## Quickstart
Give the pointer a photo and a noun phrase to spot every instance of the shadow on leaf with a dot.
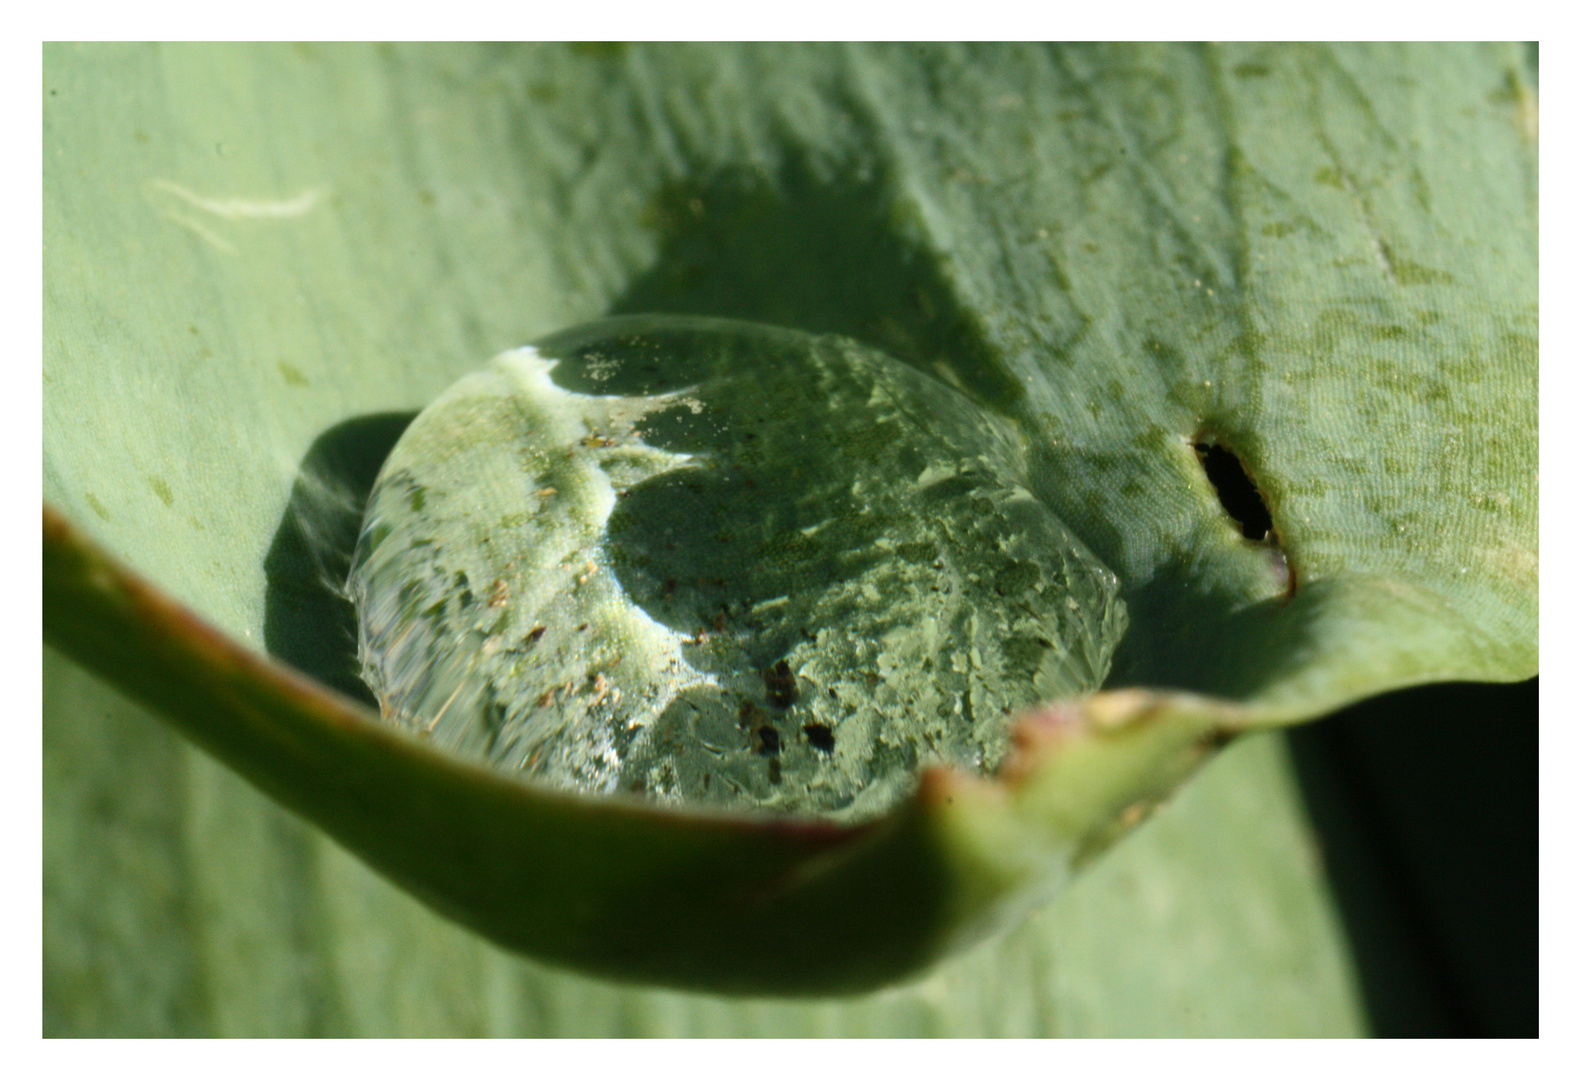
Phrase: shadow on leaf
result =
(825, 254)
(308, 621)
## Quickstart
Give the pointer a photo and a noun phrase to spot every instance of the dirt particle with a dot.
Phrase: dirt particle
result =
(780, 684)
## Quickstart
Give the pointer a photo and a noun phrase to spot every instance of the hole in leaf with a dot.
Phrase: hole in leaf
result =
(1237, 493)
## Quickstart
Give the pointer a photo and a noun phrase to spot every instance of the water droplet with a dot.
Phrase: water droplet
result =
(651, 552)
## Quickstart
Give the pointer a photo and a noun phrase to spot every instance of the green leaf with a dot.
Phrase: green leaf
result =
(1323, 259)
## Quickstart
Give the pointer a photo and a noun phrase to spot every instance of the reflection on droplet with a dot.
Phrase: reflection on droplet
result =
(719, 564)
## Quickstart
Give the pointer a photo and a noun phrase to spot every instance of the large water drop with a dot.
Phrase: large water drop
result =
(720, 564)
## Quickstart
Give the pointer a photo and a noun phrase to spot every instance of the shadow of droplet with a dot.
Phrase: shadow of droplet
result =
(822, 251)
(1425, 803)
(308, 622)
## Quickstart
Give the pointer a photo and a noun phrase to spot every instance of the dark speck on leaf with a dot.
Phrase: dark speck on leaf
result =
(780, 683)
(533, 635)
(768, 741)
(774, 771)
(820, 737)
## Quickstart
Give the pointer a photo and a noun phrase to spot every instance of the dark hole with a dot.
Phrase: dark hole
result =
(768, 741)
(774, 772)
(1237, 493)
(820, 737)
